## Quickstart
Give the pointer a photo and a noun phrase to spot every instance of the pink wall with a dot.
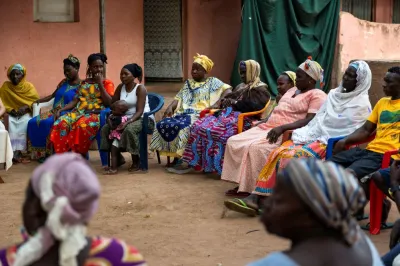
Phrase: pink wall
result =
(213, 28)
(42, 46)
(360, 39)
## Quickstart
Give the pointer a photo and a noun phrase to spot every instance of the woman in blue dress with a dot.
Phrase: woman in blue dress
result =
(39, 127)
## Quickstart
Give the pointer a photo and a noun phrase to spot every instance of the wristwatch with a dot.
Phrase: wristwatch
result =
(393, 189)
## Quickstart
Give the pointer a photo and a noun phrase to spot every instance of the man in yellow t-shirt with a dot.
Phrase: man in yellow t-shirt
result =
(385, 120)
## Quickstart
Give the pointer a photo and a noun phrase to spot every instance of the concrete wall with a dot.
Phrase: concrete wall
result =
(376, 43)
(42, 46)
(213, 28)
(360, 39)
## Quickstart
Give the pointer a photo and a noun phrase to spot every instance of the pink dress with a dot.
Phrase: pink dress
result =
(246, 153)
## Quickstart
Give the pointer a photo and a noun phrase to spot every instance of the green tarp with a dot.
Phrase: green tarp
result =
(281, 34)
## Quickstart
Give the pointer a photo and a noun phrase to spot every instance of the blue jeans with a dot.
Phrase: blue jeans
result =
(388, 258)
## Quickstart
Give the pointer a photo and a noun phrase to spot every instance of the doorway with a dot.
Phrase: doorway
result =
(163, 40)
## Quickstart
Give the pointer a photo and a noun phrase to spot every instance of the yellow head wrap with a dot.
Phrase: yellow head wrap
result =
(204, 61)
(16, 96)
(292, 76)
(253, 71)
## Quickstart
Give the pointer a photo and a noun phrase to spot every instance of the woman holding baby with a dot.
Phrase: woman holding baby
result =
(121, 133)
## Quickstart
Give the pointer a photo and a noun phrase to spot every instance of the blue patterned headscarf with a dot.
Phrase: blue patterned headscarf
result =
(331, 192)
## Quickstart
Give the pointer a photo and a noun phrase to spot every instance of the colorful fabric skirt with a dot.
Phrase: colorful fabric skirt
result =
(207, 141)
(74, 132)
(280, 157)
(172, 135)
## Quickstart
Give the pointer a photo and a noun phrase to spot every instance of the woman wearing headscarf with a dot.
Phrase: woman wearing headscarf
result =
(208, 136)
(135, 96)
(313, 206)
(246, 153)
(61, 198)
(197, 94)
(18, 95)
(76, 130)
(345, 110)
(39, 127)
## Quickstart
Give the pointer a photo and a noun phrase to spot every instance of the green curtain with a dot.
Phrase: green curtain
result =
(280, 35)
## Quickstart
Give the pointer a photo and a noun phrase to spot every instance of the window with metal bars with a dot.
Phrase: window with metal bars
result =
(396, 11)
(361, 9)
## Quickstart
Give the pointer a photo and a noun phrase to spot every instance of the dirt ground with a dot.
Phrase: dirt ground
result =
(171, 219)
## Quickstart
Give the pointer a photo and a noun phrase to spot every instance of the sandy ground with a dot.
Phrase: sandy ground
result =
(171, 219)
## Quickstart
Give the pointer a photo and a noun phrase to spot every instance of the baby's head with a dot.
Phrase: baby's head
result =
(119, 107)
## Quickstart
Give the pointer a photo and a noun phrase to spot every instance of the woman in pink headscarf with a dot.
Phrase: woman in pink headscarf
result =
(61, 198)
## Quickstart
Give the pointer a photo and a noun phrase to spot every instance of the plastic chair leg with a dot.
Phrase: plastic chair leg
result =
(144, 164)
(375, 209)
(158, 157)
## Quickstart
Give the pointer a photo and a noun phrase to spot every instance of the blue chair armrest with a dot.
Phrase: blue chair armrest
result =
(103, 116)
(331, 145)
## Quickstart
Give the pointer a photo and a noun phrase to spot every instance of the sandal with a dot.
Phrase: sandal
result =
(362, 217)
(384, 226)
(134, 167)
(234, 193)
(240, 206)
(111, 172)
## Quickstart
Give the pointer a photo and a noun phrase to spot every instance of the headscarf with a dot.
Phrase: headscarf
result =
(314, 70)
(253, 71)
(72, 61)
(342, 113)
(69, 192)
(331, 192)
(16, 96)
(204, 61)
(292, 76)
(135, 70)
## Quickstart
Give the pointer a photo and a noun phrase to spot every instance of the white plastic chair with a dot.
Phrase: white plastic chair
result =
(38, 106)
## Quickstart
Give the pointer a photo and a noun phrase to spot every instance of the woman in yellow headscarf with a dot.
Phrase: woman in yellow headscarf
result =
(18, 95)
(197, 94)
(208, 136)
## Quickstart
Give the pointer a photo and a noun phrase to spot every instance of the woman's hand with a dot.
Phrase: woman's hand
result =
(57, 115)
(227, 102)
(339, 146)
(98, 78)
(14, 113)
(169, 112)
(23, 110)
(274, 134)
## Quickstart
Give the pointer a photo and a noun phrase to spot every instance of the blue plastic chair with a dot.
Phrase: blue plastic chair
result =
(156, 102)
(103, 154)
(331, 145)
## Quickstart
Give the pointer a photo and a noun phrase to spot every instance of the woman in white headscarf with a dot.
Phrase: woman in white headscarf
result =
(345, 110)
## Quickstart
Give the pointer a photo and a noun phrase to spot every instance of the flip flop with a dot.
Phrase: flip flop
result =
(111, 172)
(240, 206)
(363, 217)
(384, 226)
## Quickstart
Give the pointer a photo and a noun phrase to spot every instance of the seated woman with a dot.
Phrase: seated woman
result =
(76, 130)
(346, 110)
(39, 127)
(246, 153)
(134, 95)
(6, 152)
(18, 95)
(312, 206)
(208, 136)
(61, 198)
(197, 94)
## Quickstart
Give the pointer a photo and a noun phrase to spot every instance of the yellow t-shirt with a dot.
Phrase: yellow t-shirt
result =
(386, 116)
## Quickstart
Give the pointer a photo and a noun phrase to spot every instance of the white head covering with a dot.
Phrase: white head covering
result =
(342, 113)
